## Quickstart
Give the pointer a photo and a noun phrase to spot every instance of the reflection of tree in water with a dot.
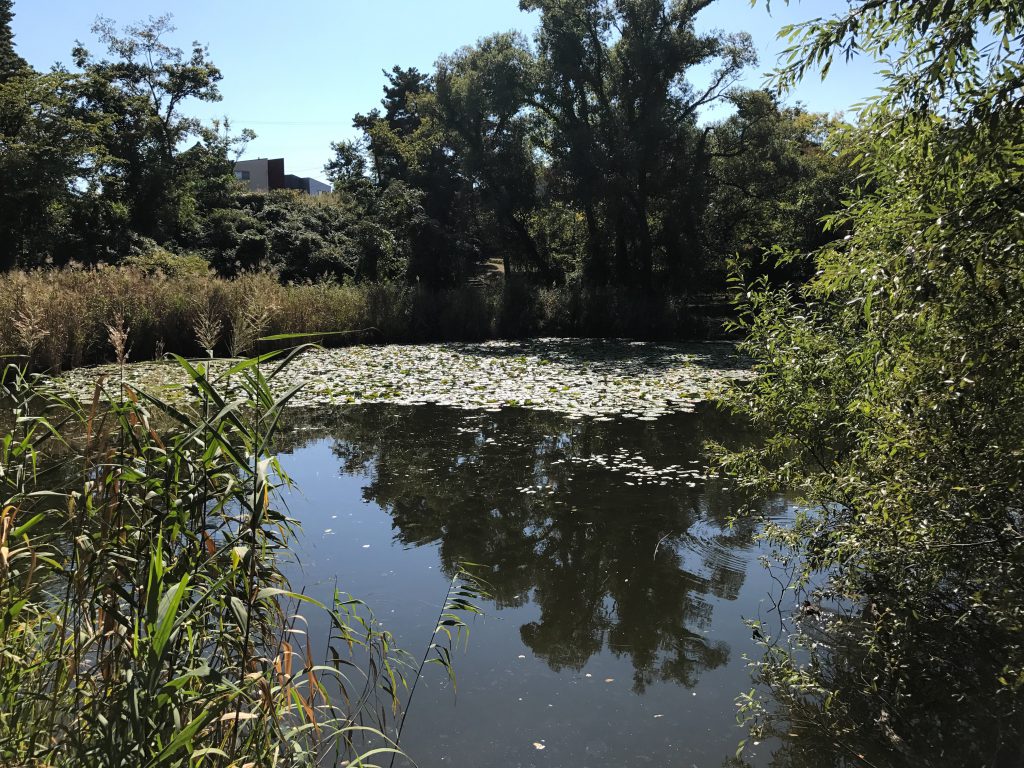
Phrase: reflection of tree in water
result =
(855, 688)
(610, 564)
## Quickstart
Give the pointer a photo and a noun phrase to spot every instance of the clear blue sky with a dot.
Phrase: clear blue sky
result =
(296, 72)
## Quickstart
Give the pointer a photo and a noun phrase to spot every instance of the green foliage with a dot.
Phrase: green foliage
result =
(93, 160)
(483, 95)
(135, 99)
(40, 202)
(579, 156)
(299, 235)
(778, 172)
(583, 155)
(10, 62)
(416, 173)
(144, 616)
(153, 260)
(891, 396)
(624, 144)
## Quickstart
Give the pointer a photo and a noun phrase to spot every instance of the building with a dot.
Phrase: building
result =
(263, 175)
(306, 184)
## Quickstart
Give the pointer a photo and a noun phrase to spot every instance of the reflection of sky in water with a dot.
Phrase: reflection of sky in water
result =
(615, 632)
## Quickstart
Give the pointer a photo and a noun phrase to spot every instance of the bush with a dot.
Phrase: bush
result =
(152, 259)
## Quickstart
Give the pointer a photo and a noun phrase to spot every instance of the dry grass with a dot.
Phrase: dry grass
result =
(60, 319)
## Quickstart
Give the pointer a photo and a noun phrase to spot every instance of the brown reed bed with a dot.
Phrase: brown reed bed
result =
(59, 318)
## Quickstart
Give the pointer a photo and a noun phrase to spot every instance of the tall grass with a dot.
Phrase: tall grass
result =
(144, 619)
(58, 319)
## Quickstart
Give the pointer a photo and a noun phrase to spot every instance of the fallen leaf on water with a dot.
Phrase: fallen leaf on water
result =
(538, 745)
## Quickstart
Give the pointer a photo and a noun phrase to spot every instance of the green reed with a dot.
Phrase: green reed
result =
(144, 617)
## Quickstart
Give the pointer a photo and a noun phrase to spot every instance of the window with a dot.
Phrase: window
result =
(242, 175)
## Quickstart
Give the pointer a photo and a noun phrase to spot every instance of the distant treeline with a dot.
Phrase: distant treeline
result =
(581, 156)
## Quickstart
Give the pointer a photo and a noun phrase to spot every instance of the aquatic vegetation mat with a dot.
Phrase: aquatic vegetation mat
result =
(600, 379)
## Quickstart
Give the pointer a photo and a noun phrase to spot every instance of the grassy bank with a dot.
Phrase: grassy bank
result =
(61, 318)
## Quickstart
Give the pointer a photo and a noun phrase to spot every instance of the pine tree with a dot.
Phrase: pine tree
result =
(10, 62)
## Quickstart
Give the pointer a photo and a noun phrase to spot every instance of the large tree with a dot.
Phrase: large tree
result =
(774, 177)
(624, 144)
(136, 97)
(485, 95)
(45, 171)
(585, 151)
(409, 146)
(96, 159)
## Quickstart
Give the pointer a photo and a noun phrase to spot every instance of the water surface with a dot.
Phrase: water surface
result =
(615, 630)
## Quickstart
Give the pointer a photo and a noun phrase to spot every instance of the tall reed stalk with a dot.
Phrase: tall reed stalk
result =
(59, 318)
(144, 619)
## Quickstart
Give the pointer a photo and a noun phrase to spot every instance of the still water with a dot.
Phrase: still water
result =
(614, 634)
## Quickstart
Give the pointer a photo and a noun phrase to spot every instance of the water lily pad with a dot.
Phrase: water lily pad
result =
(581, 378)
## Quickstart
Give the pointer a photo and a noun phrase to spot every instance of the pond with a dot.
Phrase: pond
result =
(574, 473)
(614, 632)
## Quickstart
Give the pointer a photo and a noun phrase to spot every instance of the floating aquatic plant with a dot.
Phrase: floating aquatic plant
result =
(580, 378)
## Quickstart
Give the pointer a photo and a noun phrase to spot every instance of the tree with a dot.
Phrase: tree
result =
(409, 144)
(624, 143)
(485, 95)
(136, 99)
(773, 181)
(45, 140)
(10, 62)
(99, 161)
(891, 391)
(585, 154)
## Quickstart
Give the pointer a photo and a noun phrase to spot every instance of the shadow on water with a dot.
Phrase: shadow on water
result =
(610, 559)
